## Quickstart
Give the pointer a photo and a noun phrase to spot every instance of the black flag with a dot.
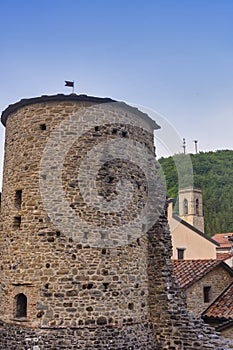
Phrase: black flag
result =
(69, 83)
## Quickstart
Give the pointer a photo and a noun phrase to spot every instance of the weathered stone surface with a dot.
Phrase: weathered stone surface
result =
(78, 296)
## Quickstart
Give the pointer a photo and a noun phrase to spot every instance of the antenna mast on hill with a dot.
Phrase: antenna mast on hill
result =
(195, 143)
(184, 145)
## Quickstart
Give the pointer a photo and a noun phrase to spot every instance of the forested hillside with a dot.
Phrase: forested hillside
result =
(213, 173)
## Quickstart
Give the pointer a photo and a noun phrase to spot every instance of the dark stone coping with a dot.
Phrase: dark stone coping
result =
(72, 97)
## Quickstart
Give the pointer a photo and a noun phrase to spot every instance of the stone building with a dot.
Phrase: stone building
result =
(81, 269)
(202, 281)
(220, 313)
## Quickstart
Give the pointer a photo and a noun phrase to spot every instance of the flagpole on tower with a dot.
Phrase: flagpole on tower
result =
(70, 84)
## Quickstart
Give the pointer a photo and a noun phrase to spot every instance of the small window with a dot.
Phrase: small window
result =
(17, 222)
(206, 294)
(197, 206)
(180, 253)
(20, 305)
(18, 199)
(42, 126)
(185, 206)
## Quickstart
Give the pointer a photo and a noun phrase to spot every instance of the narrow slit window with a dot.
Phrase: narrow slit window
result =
(20, 305)
(197, 206)
(17, 222)
(185, 207)
(18, 199)
(206, 294)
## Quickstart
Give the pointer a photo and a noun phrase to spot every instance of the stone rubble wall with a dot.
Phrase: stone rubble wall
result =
(130, 337)
(18, 338)
(174, 328)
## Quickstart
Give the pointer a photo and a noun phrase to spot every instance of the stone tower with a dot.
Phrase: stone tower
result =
(85, 249)
(53, 277)
(190, 207)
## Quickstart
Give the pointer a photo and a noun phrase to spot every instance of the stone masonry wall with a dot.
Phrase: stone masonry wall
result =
(228, 333)
(128, 337)
(218, 279)
(68, 282)
(170, 327)
(81, 296)
(174, 328)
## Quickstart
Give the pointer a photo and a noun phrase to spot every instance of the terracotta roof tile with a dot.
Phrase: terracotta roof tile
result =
(222, 307)
(223, 256)
(223, 239)
(187, 272)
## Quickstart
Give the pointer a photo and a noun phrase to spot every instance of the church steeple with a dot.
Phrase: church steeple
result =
(190, 207)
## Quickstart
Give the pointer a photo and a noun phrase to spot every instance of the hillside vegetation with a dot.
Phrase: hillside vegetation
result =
(213, 173)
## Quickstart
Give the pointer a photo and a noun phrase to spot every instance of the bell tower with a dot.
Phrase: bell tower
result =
(190, 207)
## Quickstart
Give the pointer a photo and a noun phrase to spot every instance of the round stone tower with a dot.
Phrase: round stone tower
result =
(84, 243)
(71, 258)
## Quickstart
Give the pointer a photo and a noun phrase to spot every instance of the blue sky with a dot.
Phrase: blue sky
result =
(173, 56)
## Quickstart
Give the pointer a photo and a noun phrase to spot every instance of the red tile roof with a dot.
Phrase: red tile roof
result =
(187, 272)
(223, 239)
(222, 307)
(223, 256)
